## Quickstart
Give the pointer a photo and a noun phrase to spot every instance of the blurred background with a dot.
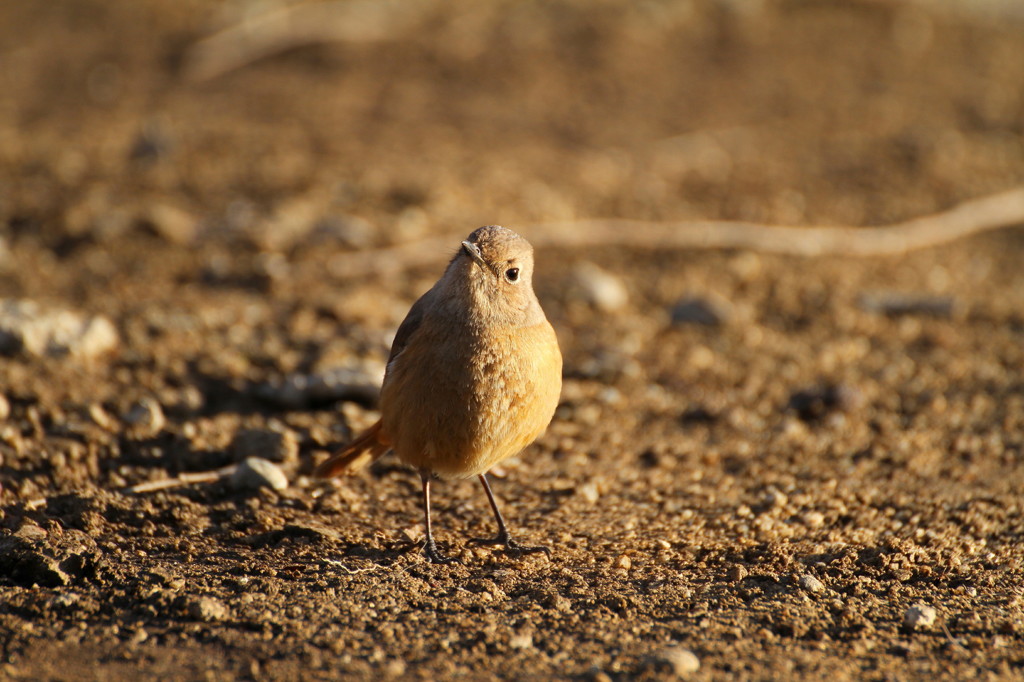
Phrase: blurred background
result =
(186, 177)
(184, 183)
(365, 123)
(197, 199)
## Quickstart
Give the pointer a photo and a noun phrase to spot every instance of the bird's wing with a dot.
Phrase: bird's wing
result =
(410, 324)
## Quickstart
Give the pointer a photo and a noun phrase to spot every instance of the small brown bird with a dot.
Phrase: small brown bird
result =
(473, 377)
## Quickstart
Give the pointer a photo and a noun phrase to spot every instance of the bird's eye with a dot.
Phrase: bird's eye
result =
(512, 274)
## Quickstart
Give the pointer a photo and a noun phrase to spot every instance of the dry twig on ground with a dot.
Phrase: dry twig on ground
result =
(279, 30)
(1000, 210)
(180, 480)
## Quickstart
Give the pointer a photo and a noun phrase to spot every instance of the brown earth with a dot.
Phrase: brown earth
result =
(772, 493)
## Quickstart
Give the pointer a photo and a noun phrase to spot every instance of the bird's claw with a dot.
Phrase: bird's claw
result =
(434, 555)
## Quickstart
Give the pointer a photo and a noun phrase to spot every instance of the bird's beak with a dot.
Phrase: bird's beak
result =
(474, 252)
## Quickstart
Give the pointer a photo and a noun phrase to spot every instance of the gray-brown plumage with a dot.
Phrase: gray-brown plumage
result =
(473, 377)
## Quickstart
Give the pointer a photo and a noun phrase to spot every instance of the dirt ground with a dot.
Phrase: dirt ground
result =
(768, 463)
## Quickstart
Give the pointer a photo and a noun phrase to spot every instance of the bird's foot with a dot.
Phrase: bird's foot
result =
(511, 546)
(434, 555)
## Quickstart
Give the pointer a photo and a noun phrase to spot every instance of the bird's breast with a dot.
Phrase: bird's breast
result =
(457, 403)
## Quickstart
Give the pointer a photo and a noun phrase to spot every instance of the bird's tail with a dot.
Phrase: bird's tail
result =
(367, 447)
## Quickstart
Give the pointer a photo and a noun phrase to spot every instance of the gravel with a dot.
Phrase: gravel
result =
(919, 617)
(811, 584)
(706, 311)
(675, 661)
(598, 288)
(254, 473)
(145, 419)
(812, 114)
(208, 609)
(359, 381)
(27, 327)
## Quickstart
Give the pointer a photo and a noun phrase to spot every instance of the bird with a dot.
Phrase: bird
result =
(474, 376)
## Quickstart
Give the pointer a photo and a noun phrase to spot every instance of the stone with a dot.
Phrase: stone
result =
(145, 419)
(523, 640)
(677, 661)
(102, 418)
(811, 584)
(894, 304)
(814, 403)
(775, 498)
(704, 311)
(736, 573)
(395, 668)
(153, 143)
(919, 617)
(255, 473)
(30, 329)
(208, 609)
(560, 604)
(813, 519)
(601, 289)
(172, 223)
(589, 492)
(359, 381)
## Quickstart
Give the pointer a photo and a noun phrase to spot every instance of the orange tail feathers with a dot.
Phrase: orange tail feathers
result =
(367, 447)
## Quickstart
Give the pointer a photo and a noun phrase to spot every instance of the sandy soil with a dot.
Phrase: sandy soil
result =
(807, 481)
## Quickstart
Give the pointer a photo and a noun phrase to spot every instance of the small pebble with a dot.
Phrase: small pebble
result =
(173, 223)
(31, 532)
(600, 289)
(814, 519)
(145, 419)
(255, 473)
(896, 304)
(26, 327)
(5, 407)
(775, 498)
(624, 562)
(396, 667)
(703, 311)
(359, 381)
(561, 604)
(678, 661)
(102, 418)
(589, 492)
(138, 636)
(208, 609)
(412, 534)
(66, 600)
(736, 573)
(152, 143)
(811, 584)
(919, 616)
(523, 640)
(818, 402)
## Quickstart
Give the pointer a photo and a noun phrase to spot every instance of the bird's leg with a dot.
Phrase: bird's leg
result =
(429, 548)
(503, 537)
